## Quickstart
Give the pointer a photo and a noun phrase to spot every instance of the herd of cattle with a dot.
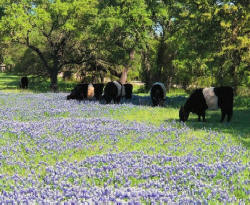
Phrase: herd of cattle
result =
(114, 91)
(198, 102)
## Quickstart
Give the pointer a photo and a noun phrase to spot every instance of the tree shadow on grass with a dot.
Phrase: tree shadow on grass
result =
(174, 102)
(9, 82)
(13, 83)
(9, 86)
(36, 84)
(239, 126)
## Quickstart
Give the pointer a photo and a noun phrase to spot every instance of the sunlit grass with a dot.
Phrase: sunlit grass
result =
(146, 131)
(11, 83)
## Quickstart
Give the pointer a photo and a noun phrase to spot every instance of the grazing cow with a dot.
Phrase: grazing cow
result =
(86, 91)
(128, 90)
(158, 94)
(79, 92)
(98, 90)
(24, 82)
(209, 98)
(113, 91)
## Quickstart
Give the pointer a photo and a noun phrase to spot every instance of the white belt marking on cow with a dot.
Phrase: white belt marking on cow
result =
(163, 88)
(211, 98)
(91, 91)
(119, 87)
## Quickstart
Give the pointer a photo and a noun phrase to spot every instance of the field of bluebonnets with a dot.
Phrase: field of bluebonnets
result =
(53, 150)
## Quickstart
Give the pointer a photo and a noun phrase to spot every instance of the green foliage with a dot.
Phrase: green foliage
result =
(56, 31)
(29, 64)
(123, 26)
(209, 38)
(197, 43)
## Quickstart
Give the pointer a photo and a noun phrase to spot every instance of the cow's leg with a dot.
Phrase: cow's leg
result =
(229, 114)
(154, 102)
(107, 99)
(162, 102)
(203, 116)
(223, 114)
(117, 100)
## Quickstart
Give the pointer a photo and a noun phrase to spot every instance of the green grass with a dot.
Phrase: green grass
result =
(238, 128)
(10, 83)
(235, 132)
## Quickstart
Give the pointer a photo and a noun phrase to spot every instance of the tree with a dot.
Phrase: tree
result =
(125, 24)
(1, 33)
(166, 44)
(215, 38)
(232, 57)
(57, 31)
(202, 40)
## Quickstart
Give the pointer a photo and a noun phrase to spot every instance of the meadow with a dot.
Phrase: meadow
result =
(53, 151)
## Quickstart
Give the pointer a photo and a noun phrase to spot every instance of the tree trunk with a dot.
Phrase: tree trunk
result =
(124, 75)
(102, 77)
(53, 80)
(236, 58)
(169, 83)
(146, 66)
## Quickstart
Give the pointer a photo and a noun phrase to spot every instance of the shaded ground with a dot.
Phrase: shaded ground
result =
(239, 125)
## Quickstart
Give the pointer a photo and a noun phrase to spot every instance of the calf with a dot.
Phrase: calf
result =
(209, 98)
(113, 91)
(158, 94)
(24, 82)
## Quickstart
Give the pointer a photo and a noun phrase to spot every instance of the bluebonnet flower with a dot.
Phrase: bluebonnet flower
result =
(59, 151)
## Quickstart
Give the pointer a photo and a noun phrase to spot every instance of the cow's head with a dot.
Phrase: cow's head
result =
(69, 97)
(183, 114)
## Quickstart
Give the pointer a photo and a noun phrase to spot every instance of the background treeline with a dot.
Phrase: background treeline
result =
(178, 42)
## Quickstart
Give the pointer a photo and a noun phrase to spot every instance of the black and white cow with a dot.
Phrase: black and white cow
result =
(24, 82)
(209, 98)
(128, 90)
(113, 91)
(98, 90)
(82, 91)
(158, 94)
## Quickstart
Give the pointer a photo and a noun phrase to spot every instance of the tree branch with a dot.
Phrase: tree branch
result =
(37, 50)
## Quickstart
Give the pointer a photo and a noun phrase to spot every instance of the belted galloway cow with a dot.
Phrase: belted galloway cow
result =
(208, 98)
(113, 91)
(158, 94)
(86, 91)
